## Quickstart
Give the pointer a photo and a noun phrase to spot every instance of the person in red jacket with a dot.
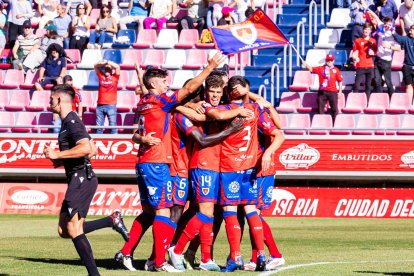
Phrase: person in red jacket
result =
(329, 77)
(363, 53)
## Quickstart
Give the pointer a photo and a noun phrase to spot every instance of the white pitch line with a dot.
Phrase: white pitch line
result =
(327, 263)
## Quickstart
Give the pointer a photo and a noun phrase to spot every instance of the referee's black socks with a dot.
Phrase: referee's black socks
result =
(84, 249)
(93, 225)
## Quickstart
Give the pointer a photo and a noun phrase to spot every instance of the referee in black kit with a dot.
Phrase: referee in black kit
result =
(76, 147)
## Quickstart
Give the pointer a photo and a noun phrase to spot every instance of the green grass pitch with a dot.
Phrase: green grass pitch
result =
(29, 245)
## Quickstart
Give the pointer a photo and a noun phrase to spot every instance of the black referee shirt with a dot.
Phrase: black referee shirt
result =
(72, 131)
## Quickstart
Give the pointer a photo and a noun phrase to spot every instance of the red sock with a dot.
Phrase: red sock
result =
(138, 229)
(206, 240)
(233, 233)
(270, 242)
(256, 228)
(254, 248)
(192, 229)
(163, 231)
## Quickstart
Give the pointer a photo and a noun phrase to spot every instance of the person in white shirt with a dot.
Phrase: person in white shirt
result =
(160, 13)
(406, 16)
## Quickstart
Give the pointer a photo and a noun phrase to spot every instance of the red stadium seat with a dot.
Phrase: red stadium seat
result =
(6, 119)
(19, 99)
(95, 13)
(302, 81)
(397, 60)
(23, 120)
(125, 101)
(366, 123)
(321, 123)
(89, 119)
(407, 126)
(188, 39)
(30, 80)
(167, 38)
(45, 118)
(389, 124)
(344, 124)
(196, 59)
(309, 103)
(378, 102)
(88, 101)
(74, 56)
(400, 103)
(133, 82)
(128, 121)
(4, 99)
(299, 123)
(7, 53)
(242, 58)
(39, 102)
(283, 120)
(131, 57)
(355, 103)
(154, 57)
(146, 39)
(13, 79)
(175, 59)
(289, 102)
(123, 80)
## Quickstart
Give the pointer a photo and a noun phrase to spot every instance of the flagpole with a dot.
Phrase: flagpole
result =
(297, 52)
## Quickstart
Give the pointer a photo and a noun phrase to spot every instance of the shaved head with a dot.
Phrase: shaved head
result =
(65, 92)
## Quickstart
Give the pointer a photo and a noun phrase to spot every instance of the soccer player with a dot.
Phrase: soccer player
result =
(76, 147)
(204, 178)
(238, 185)
(153, 174)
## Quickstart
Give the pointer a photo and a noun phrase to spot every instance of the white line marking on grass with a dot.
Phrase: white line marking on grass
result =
(326, 263)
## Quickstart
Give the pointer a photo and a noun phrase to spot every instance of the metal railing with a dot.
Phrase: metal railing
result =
(263, 90)
(300, 32)
(285, 54)
(313, 8)
(275, 69)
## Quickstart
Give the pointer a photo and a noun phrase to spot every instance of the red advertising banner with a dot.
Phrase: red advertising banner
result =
(287, 201)
(331, 156)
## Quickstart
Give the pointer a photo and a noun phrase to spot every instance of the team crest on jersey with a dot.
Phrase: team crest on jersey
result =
(152, 190)
(205, 191)
(181, 194)
(234, 187)
(269, 192)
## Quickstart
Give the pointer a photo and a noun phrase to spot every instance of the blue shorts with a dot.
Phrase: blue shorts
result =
(155, 185)
(180, 190)
(205, 185)
(238, 188)
(265, 184)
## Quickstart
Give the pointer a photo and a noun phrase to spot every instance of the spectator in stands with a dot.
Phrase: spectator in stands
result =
(227, 18)
(107, 93)
(240, 7)
(138, 11)
(25, 44)
(160, 13)
(385, 8)
(72, 6)
(20, 12)
(407, 42)
(343, 4)
(81, 24)
(3, 27)
(406, 16)
(255, 4)
(386, 47)
(329, 77)
(214, 12)
(36, 57)
(197, 12)
(105, 29)
(249, 12)
(358, 18)
(62, 23)
(53, 68)
(363, 53)
(47, 11)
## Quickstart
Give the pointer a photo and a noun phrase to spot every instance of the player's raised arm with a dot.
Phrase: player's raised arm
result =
(196, 82)
(191, 114)
(228, 114)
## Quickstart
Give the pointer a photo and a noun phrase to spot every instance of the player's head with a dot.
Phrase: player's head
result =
(222, 74)
(61, 98)
(155, 80)
(238, 88)
(214, 89)
(68, 80)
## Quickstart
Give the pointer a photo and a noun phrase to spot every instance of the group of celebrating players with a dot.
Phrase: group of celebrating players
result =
(216, 153)
(224, 143)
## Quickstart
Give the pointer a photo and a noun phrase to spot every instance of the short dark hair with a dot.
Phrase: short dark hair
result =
(249, 12)
(235, 80)
(219, 73)
(67, 78)
(153, 73)
(387, 19)
(65, 89)
(367, 25)
(214, 81)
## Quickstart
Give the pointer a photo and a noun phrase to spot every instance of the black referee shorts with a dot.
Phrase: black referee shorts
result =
(79, 194)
